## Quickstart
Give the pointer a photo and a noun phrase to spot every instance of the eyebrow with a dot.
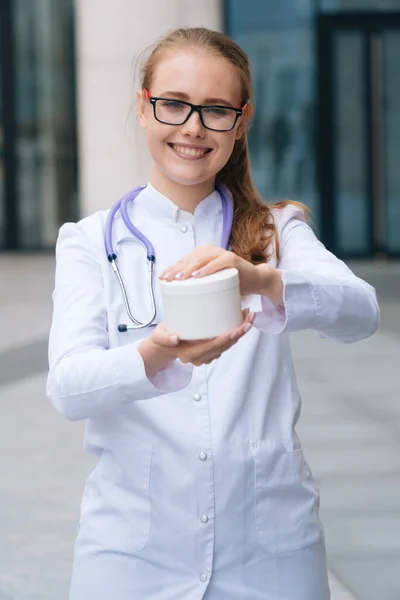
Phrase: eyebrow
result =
(185, 97)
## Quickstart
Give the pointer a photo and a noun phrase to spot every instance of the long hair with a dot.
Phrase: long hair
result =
(254, 233)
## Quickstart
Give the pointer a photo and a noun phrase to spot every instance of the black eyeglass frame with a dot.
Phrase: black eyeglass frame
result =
(194, 108)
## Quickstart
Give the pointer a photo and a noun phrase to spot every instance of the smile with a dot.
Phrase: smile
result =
(189, 152)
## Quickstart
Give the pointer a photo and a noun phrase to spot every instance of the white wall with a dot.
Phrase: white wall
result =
(110, 36)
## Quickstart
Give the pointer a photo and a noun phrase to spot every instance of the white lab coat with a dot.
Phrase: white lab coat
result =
(201, 489)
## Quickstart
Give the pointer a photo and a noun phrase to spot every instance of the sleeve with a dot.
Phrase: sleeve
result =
(320, 292)
(86, 378)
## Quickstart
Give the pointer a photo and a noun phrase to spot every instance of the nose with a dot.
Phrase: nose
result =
(193, 126)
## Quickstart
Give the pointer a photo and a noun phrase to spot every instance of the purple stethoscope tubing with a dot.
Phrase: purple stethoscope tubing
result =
(122, 206)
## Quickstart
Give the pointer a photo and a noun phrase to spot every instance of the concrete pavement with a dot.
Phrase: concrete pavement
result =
(350, 429)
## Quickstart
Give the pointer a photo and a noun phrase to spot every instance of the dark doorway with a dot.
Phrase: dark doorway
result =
(359, 133)
(8, 210)
(38, 158)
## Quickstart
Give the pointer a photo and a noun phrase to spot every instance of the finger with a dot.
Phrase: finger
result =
(196, 351)
(185, 271)
(220, 343)
(211, 360)
(245, 313)
(193, 262)
(203, 361)
(244, 328)
(210, 352)
(224, 261)
(215, 352)
(206, 359)
(198, 252)
(212, 349)
(163, 337)
(172, 271)
(181, 264)
(197, 267)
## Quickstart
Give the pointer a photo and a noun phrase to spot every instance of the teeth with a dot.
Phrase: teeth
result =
(189, 151)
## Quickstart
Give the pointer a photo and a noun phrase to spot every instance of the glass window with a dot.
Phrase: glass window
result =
(278, 38)
(45, 119)
(351, 139)
(362, 5)
(391, 57)
(2, 196)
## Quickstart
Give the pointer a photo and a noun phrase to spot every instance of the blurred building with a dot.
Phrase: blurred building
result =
(327, 95)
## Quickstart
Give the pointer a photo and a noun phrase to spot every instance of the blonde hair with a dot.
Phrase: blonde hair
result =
(254, 233)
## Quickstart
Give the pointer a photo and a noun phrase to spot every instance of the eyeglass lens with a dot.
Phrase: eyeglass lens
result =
(174, 112)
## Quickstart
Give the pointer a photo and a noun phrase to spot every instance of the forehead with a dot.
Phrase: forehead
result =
(198, 74)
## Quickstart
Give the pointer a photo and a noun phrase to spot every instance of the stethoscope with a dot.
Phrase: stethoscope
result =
(122, 206)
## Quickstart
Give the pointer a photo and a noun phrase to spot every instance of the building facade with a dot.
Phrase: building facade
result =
(326, 129)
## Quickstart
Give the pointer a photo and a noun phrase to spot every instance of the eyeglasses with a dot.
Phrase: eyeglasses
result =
(177, 112)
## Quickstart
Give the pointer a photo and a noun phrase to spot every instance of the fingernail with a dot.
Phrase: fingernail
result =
(179, 275)
(195, 273)
(248, 327)
(174, 340)
(234, 335)
(167, 276)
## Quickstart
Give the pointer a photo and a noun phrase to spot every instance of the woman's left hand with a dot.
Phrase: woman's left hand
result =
(208, 259)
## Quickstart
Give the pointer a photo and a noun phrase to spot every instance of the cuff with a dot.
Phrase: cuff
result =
(132, 380)
(176, 376)
(299, 310)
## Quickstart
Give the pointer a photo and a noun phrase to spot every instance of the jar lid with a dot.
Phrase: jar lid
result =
(222, 280)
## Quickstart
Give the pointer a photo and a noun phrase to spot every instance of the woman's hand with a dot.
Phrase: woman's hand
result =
(164, 346)
(205, 260)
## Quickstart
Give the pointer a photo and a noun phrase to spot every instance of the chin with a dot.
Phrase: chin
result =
(187, 178)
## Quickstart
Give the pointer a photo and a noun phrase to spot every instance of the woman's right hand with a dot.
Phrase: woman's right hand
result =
(201, 352)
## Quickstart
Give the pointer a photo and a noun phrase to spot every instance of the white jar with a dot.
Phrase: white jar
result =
(204, 307)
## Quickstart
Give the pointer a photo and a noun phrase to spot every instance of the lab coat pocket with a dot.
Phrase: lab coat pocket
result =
(116, 507)
(286, 499)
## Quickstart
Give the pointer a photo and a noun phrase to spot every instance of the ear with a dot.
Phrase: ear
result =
(243, 121)
(141, 106)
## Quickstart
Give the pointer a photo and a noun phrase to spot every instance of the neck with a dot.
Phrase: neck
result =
(187, 197)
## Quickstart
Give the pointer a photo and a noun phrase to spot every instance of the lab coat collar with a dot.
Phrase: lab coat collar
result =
(161, 208)
(153, 202)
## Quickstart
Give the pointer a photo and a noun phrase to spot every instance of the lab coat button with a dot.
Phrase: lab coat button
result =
(197, 397)
(203, 577)
(184, 229)
(203, 456)
(204, 519)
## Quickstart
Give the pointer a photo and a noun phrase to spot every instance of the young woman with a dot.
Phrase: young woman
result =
(201, 488)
